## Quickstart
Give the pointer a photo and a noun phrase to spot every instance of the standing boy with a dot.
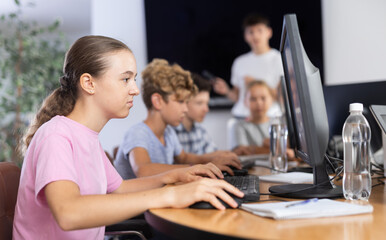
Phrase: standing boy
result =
(152, 146)
(262, 62)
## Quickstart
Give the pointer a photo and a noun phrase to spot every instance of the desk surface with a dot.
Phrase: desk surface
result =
(236, 223)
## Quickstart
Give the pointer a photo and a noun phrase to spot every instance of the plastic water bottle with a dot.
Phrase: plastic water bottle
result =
(278, 144)
(356, 153)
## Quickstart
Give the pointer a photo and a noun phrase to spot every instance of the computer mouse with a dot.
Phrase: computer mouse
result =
(207, 205)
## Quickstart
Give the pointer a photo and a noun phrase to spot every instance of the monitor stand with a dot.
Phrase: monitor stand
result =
(306, 191)
(321, 188)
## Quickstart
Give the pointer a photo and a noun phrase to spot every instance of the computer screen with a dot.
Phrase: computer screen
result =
(284, 108)
(308, 115)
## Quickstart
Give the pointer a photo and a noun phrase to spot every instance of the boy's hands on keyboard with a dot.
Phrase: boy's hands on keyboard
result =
(236, 172)
(243, 150)
(225, 160)
(193, 173)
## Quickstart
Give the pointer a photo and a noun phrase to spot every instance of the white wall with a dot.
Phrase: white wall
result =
(354, 41)
(123, 20)
(216, 124)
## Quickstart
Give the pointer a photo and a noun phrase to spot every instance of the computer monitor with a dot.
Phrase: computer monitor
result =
(308, 115)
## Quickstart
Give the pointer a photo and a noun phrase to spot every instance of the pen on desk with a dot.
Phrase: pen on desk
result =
(302, 202)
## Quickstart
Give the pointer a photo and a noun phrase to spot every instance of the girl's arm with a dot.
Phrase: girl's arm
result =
(72, 210)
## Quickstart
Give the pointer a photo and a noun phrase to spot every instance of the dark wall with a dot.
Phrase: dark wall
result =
(204, 34)
(338, 99)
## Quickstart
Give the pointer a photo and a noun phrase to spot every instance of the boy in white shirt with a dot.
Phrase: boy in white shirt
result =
(262, 62)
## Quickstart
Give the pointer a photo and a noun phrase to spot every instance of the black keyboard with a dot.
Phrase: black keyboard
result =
(248, 184)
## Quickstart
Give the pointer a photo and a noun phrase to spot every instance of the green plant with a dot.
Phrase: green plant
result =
(31, 60)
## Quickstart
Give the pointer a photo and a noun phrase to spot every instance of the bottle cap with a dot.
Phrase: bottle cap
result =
(356, 107)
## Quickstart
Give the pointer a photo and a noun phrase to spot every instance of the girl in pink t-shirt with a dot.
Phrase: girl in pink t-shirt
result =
(68, 188)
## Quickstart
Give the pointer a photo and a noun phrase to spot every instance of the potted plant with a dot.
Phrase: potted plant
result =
(31, 59)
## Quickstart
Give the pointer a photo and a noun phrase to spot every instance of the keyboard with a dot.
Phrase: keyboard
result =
(248, 184)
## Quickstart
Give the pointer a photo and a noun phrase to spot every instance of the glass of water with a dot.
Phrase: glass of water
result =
(278, 134)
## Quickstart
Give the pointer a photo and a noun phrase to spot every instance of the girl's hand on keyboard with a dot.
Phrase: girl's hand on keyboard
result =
(205, 189)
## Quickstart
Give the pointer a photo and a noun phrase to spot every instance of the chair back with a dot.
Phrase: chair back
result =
(9, 185)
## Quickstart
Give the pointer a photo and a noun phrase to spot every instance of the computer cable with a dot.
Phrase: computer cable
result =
(380, 170)
(372, 171)
(333, 167)
(376, 172)
(334, 158)
(372, 165)
(380, 182)
(329, 162)
(338, 171)
(377, 166)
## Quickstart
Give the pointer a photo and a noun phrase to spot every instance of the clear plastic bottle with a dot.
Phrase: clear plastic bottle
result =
(356, 139)
(278, 144)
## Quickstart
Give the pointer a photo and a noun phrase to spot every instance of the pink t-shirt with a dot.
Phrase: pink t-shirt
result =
(61, 149)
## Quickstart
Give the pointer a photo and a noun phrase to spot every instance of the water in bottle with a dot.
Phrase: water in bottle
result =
(356, 138)
(278, 144)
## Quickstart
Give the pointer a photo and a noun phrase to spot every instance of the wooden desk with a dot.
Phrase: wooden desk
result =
(236, 223)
